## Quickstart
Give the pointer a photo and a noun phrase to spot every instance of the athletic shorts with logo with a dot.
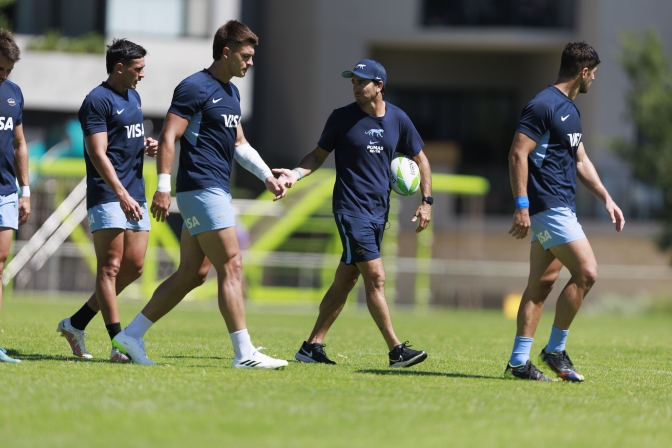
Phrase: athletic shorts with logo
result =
(206, 209)
(361, 238)
(555, 226)
(9, 211)
(110, 216)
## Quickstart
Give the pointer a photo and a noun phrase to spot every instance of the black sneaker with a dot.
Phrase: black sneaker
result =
(313, 353)
(560, 363)
(402, 356)
(525, 371)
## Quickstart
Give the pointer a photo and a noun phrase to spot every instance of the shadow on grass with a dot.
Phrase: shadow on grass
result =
(219, 358)
(40, 357)
(425, 373)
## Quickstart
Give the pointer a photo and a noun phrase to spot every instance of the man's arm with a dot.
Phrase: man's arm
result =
(521, 148)
(21, 170)
(249, 158)
(96, 145)
(588, 176)
(173, 129)
(424, 212)
(310, 163)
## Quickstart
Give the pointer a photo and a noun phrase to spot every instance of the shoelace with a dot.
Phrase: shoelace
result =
(564, 361)
(403, 346)
(319, 348)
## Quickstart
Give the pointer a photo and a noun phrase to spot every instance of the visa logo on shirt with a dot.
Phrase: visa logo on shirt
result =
(135, 130)
(6, 125)
(231, 121)
(574, 139)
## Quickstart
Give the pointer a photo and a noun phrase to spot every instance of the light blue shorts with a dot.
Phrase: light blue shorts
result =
(555, 226)
(207, 209)
(9, 211)
(110, 216)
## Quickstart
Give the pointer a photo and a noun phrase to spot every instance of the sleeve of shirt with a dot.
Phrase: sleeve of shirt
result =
(186, 100)
(410, 142)
(19, 118)
(330, 135)
(93, 115)
(535, 120)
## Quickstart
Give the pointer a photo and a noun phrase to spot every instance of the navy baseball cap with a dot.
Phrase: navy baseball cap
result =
(368, 69)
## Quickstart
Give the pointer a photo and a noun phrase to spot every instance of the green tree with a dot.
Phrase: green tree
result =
(649, 100)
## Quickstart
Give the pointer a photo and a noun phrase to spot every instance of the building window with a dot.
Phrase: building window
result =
(499, 13)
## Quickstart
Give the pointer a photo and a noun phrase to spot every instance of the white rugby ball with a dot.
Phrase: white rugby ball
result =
(404, 175)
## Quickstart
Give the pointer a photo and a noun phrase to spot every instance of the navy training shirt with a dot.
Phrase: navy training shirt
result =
(212, 108)
(364, 146)
(106, 110)
(11, 115)
(553, 121)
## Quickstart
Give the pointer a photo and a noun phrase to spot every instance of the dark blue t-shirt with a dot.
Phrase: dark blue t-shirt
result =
(364, 146)
(212, 108)
(553, 121)
(11, 114)
(106, 110)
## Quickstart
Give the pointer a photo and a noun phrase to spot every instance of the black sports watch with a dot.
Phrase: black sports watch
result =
(428, 199)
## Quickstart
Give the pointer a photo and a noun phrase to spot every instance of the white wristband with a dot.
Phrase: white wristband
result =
(24, 191)
(164, 183)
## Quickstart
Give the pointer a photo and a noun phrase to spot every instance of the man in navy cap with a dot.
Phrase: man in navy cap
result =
(364, 136)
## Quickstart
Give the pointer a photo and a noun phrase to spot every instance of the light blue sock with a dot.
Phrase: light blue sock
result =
(521, 351)
(556, 343)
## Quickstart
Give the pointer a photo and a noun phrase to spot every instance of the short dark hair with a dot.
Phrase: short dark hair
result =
(123, 51)
(8, 47)
(575, 57)
(232, 34)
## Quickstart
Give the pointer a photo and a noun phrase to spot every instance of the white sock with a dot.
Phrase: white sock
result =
(242, 344)
(138, 327)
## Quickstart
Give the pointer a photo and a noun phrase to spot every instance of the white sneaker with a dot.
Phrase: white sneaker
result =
(74, 337)
(258, 361)
(117, 356)
(133, 348)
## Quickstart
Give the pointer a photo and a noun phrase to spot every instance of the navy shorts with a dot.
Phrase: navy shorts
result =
(361, 238)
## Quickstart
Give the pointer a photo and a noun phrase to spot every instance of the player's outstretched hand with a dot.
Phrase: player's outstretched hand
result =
(276, 187)
(287, 177)
(615, 214)
(24, 209)
(130, 207)
(151, 147)
(521, 223)
(424, 212)
(160, 205)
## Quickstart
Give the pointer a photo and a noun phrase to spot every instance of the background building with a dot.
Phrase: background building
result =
(461, 69)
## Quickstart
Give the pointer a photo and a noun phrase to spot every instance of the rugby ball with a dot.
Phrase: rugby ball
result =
(404, 175)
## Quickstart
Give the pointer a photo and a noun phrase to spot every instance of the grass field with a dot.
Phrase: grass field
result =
(193, 398)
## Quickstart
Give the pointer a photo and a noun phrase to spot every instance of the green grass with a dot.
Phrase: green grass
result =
(193, 398)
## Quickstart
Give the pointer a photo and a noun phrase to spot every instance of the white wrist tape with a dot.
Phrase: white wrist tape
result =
(24, 191)
(164, 183)
(250, 159)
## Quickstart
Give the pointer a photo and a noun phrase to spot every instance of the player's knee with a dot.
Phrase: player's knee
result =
(378, 279)
(234, 267)
(546, 285)
(589, 275)
(110, 269)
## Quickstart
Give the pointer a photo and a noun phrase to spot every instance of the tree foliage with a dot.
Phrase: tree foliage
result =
(649, 101)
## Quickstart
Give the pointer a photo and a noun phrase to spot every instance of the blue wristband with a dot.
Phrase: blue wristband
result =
(300, 175)
(522, 202)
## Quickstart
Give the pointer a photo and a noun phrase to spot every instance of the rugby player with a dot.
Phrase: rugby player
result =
(205, 117)
(546, 157)
(14, 208)
(115, 143)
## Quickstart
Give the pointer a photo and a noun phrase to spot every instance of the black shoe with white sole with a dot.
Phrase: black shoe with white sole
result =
(313, 353)
(403, 356)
